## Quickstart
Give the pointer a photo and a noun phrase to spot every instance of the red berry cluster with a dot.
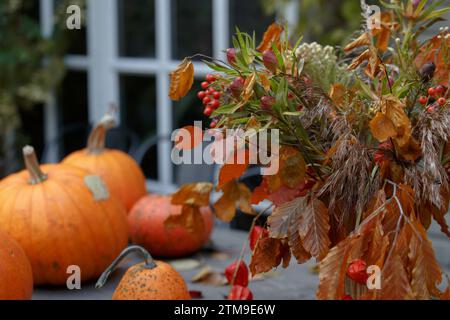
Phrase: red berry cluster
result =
(434, 93)
(210, 97)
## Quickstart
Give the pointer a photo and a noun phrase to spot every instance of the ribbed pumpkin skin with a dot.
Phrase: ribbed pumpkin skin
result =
(58, 223)
(146, 221)
(160, 283)
(121, 173)
(16, 276)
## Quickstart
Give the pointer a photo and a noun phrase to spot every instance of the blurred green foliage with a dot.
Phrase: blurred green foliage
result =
(329, 22)
(30, 66)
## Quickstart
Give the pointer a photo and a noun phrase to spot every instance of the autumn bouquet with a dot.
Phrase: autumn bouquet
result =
(364, 150)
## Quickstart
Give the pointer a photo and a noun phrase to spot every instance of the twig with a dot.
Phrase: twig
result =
(244, 245)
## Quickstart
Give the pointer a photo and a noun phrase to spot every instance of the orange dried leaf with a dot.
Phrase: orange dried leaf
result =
(249, 83)
(382, 127)
(314, 229)
(188, 137)
(295, 241)
(292, 167)
(264, 81)
(394, 280)
(378, 245)
(271, 36)
(332, 271)
(426, 272)
(432, 51)
(190, 218)
(208, 276)
(196, 194)
(362, 40)
(231, 171)
(235, 195)
(383, 34)
(359, 59)
(181, 80)
(308, 219)
(268, 254)
(394, 109)
(439, 214)
(338, 93)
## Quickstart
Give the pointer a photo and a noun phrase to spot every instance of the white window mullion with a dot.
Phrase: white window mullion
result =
(220, 18)
(164, 105)
(50, 112)
(102, 52)
(291, 13)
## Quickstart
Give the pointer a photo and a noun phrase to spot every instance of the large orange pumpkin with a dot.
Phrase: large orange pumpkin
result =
(61, 216)
(147, 228)
(122, 174)
(149, 280)
(16, 277)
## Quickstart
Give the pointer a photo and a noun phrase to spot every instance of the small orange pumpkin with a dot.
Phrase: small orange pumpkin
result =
(61, 216)
(122, 174)
(16, 277)
(149, 280)
(147, 228)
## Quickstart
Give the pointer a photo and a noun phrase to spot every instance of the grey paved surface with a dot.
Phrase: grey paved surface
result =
(295, 282)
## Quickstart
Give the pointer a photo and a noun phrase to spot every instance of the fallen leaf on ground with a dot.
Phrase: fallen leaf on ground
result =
(210, 277)
(185, 264)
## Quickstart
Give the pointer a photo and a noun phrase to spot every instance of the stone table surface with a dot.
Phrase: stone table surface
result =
(295, 282)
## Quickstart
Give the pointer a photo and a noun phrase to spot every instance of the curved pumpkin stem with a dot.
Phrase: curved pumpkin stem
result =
(32, 165)
(96, 140)
(149, 263)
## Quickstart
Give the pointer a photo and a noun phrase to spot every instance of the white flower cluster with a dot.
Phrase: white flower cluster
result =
(314, 52)
(321, 63)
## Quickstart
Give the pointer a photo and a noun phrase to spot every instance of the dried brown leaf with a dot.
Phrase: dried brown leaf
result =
(426, 272)
(382, 127)
(332, 271)
(271, 36)
(307, 218)
(189, 218)
(233, 170)
(249, 83)
(235, 195)
(362, 40)
(314, 228)
(181, 80)
(268, 254)
(193, 194)
(208, 276)
(394, 280)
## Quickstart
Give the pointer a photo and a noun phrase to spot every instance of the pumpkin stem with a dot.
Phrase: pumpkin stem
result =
(149, 263)
(32, 165)
(96, 140)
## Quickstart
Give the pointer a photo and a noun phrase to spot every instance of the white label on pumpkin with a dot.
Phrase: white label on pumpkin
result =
(98, 187)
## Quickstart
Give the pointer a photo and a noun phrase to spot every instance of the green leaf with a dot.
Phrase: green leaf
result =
(436, 14)
(227, 109)
(420, 6)
(293, 113)
(279, 57)
(281, 94)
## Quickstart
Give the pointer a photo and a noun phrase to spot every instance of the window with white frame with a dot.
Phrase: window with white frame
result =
(124, 55)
